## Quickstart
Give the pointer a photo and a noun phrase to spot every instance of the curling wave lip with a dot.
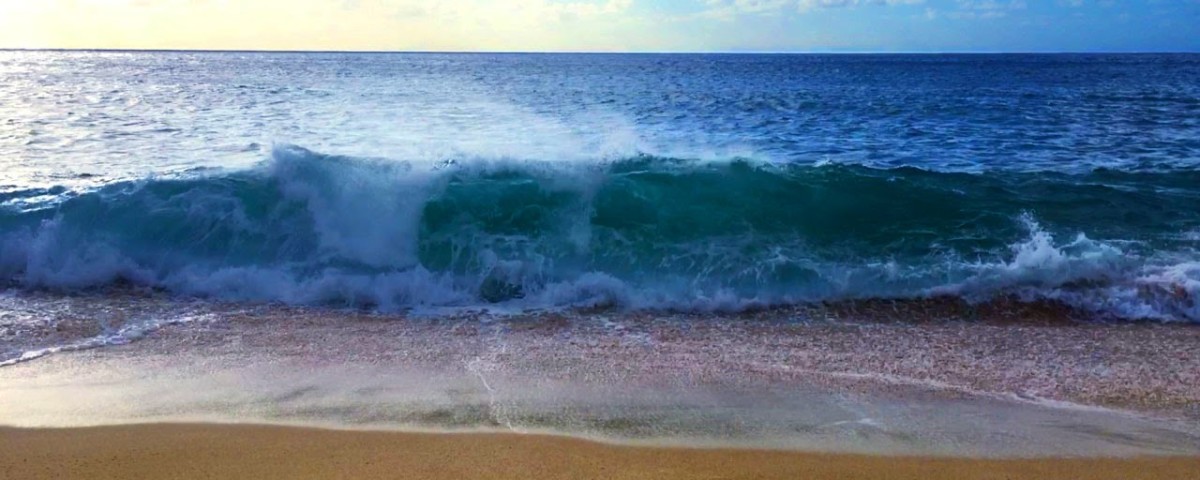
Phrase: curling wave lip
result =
(638, 232)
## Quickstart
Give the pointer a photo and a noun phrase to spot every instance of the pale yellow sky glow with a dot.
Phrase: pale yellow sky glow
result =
(322, 24)
(605, 25)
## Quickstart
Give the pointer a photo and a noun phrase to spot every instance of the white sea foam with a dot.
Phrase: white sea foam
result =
(119, 336)
(308, 228)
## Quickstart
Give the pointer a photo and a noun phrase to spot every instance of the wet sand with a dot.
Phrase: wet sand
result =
(1012, 381)
(819, 380)
(186, 451)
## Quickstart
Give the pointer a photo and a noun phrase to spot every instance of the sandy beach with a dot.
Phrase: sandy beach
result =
(983, 389)
(600, 239)
(605, 395)
(188, 451)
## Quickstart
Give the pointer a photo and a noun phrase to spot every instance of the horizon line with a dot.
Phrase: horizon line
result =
(605, 52)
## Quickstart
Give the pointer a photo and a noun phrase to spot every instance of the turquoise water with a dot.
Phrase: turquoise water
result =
(693, 182)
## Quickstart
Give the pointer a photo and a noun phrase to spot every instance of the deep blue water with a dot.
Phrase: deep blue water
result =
(640, 181)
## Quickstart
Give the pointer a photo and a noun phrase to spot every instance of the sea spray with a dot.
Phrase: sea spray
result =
(637, 232)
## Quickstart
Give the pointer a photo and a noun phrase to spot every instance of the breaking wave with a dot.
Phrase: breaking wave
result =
(638, 232)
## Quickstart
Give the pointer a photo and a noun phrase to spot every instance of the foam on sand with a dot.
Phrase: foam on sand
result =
(953, 389)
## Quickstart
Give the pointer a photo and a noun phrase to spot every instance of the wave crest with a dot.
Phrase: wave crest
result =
(641, 232)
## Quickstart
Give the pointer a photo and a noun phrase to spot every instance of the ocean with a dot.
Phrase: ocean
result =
(142, 191)
(693, 182)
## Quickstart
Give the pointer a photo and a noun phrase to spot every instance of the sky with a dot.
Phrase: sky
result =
(606, 25)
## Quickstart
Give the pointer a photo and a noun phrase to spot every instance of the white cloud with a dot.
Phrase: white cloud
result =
(726, 9)
(971, 9)
(814, 4)
(491, 11)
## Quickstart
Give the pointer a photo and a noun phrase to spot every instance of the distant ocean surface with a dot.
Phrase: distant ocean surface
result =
(681, 182)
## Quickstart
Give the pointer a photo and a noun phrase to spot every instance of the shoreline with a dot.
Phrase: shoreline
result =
(172, 450)
(795, 380)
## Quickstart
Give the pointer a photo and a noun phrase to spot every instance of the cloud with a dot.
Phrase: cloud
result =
(727, 9)
(1081, 3)
(984, 9)
(815, 4)
(599, 25)
(498, 15)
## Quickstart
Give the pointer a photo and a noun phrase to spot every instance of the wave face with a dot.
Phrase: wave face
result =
(639, 232)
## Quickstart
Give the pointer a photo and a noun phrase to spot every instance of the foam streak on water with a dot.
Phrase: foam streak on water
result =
(779, 380)
(701, 183)
(920, 254)
(639, 232)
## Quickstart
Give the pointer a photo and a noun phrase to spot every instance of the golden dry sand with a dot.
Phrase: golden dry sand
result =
(194, 451)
